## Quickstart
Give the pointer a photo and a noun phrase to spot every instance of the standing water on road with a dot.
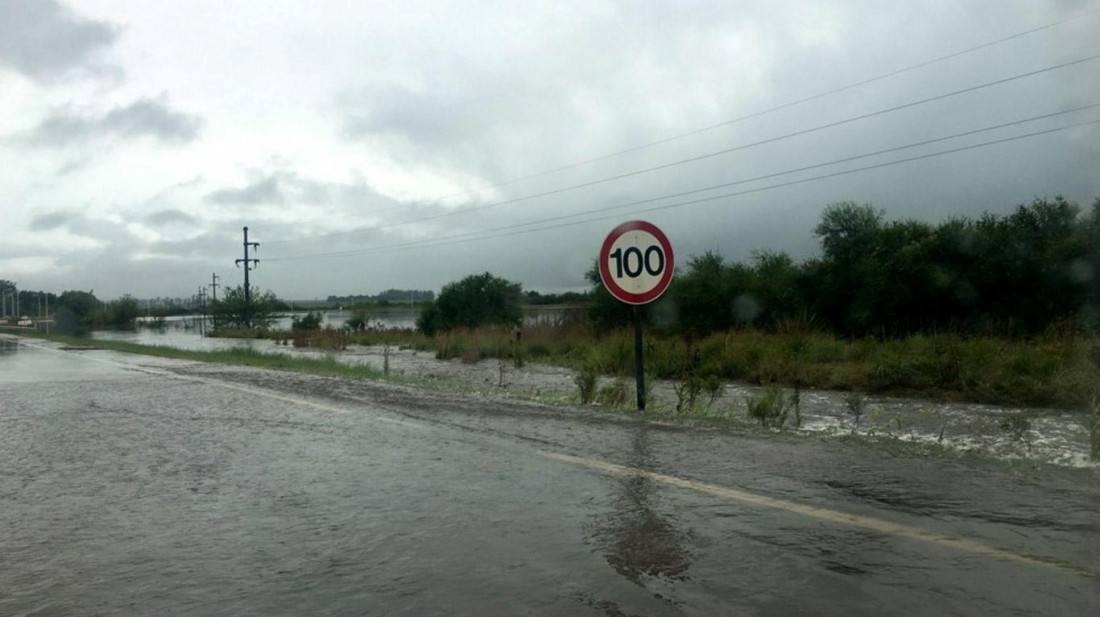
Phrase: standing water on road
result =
(1053, 436)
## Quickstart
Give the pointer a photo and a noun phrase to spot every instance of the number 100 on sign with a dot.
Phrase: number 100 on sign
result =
(636, 262)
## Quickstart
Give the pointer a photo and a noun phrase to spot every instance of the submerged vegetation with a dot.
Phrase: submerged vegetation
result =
(1049, 370)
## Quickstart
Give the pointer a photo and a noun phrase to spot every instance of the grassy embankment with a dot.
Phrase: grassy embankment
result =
(1045, 371)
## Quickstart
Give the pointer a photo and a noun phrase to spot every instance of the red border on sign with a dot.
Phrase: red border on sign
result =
(605, 269)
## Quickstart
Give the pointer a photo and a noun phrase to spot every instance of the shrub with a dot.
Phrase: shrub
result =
(309, 321)
(1092, 421)
(359, 320)
(687, 391)
(1017, 426)
(585, 379)
(714, 388)
(614, 394)
(772, 408)
(477, 300)
(856, 404)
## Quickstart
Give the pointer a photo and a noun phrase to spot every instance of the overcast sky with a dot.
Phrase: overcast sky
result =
(371, 145)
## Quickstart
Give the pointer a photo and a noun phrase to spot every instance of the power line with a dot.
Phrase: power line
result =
(756, 114)
(780, 107)
(466, 237)
(748, 191)
(725, 185)
(708, 155)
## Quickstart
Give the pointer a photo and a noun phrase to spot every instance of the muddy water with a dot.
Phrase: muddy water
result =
(133, 485)
(1058, 437)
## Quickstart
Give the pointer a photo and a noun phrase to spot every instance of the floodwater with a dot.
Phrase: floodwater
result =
(391, 318)
(133, 485)
(1055, 436)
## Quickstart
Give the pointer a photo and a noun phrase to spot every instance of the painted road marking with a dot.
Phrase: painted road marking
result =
(825, 514)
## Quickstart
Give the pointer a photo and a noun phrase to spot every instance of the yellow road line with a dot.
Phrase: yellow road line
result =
(832, 516)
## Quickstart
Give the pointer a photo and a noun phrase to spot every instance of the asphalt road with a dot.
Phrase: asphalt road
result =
(138, 486)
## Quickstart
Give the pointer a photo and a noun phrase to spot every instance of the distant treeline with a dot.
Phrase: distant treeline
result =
(1030, 272)
(390, 296)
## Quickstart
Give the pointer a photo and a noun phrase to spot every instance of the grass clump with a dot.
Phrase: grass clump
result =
(856, 404)
(586, 379)
(773, 407)
(1017, 426)
(615, 394)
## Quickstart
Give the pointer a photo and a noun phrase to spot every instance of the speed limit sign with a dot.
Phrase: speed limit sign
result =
(636, 262)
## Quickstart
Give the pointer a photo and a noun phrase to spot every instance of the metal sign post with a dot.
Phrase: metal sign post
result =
(636, 265)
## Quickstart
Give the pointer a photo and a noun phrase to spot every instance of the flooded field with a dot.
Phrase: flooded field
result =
(1053, 436)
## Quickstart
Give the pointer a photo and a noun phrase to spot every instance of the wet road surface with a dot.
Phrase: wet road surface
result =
(133, 485)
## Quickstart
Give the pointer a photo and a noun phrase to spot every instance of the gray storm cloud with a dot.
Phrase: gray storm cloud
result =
(151, 118)
(357, 149)
(45, 41)
(171, 216)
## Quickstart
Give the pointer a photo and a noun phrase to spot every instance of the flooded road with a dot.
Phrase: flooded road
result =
(1051, 435)
(135, 485)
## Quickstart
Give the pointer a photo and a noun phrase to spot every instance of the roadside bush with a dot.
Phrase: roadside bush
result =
(586, 379)
(772, 408)
(309, 321)
(856, 404)
(477, 300)
(687, 390)
(614, 394)
(1017, 427)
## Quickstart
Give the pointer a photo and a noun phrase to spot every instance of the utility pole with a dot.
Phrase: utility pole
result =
(202, 305)
(214, 287)
(248, 266)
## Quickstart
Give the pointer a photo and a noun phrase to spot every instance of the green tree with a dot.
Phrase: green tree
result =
(477, 300)
(76, 312)
(231, 310)
(309, 321)
(429, 321)
(606, 313)
(122, 313)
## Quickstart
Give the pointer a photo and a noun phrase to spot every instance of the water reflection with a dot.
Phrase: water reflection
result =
(8, 347)
(638, 540)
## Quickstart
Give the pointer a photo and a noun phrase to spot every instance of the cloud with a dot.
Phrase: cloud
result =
(262, 191)
(145, 117)
(286, 186)
(45, 41)
(170, 216)
(52, 220)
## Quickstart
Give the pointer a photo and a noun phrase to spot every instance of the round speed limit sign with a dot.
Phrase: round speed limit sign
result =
(636, 262)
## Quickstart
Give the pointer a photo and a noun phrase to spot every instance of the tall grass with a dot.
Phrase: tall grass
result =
(1041, 371)
(1045, 371)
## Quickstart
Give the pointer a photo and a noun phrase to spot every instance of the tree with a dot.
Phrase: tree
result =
(231, 310)
(76, 311)
(848, 230)
(309, 321)
(606, 313)
(477, 300)
(122, 313)
(706, 295)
